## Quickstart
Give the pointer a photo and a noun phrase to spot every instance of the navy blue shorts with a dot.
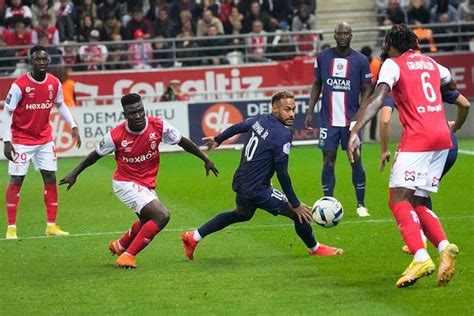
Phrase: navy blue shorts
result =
(330, 137)
(271, 200)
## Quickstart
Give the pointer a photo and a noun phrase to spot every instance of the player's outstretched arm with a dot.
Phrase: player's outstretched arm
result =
(313, 99)
(367, 112)
(384, 127)
(8, 149)
(67, 116)
(71, 177)
(191, 147)
(463, 105)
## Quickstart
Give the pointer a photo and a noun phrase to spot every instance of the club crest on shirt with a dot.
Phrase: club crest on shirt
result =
(152, 136)
(409, 175)
(153, 145)
(50, 91)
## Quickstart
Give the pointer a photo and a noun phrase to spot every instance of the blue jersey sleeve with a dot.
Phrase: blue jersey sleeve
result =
(388, 101)
(450, 96)
(365, 74)
(281, 153)
(317, 67)
(239, 128)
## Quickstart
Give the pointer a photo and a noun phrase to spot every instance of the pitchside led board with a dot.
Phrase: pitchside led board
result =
(210, 119)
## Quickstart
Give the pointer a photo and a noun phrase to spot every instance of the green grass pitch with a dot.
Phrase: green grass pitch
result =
(258, 267)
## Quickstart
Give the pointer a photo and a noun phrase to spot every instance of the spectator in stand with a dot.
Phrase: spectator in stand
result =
(179, 6)
(394, 14)
(418, 12)
(444, 12)
(383, 4)
(225, 11)
(17, 12)
(7, 62)
(111, 27)
(214, 55)
(310, 3)
(140, 53)
(162, 54)
(257, 43)
(284, 48)
(114, 7)
(303, 17)
(116, 58)
(93, 54)
(65, 24)
(39, 8)
(45, 28)
(234, 21)
(173, 92)
(186, 22)
(54, 52)
(157, 6)
(20, 36)
(466, 14)
(87, 7)
(208, 20)
(425, 37)
(164, 25)
(70, 57)
(85, 27)
(307, 44)
(138, 21)
(281, 13)
(256, 13)
(208, 5)
(374, 64)
(189, 56)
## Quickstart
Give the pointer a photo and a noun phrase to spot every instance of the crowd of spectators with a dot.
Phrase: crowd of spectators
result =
(423, 12)
(81, 25)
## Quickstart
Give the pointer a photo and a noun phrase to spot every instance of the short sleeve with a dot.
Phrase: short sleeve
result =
(444, 74)
(59, 96)
(106, 145)
(13, 97)
(171, 135)
(389, 73)
(365, 73)
(317, 68)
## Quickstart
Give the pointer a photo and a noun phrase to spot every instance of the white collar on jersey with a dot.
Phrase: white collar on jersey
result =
(137, 133)
(34, 80)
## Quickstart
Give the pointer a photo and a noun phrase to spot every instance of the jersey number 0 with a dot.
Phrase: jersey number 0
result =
(251, 147)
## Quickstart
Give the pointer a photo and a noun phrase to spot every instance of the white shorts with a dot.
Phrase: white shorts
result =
(133, 195)
(419, 171)
(43, 158)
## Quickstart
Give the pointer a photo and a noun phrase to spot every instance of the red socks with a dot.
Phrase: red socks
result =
(409, 225)
(12, 197)
(143, 238)
(51, 201)
(128, 237)
(431, 225)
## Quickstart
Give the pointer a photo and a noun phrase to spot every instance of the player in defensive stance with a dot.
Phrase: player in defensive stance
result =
(415, 81)
(266, 151)
(135, 144)
(27, 136)
(453, 97)
(344, 77)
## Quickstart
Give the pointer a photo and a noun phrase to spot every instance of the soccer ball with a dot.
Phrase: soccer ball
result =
(327, 211)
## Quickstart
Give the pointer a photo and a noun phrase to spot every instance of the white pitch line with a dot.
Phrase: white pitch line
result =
(466, 152)
(238, 227)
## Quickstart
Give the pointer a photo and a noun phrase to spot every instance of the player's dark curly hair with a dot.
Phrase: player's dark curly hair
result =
(282, 94)
(401, 38)
(130, 98)
(37, 48)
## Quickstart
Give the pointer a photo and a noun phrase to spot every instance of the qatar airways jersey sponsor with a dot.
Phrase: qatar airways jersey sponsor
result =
(137, 153)
(415, 81)
(31, 102)
(341, 79)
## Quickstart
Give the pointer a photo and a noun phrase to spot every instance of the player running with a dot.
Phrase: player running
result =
(135, 143)
(27, 136)
(415, 82)
(343, 75)
(266, 151)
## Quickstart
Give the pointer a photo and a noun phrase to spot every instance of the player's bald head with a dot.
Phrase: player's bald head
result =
(343, 26)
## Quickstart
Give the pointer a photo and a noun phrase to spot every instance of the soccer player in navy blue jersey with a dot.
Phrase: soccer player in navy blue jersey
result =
(343, 75)
(266, 152)
(453, 97)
